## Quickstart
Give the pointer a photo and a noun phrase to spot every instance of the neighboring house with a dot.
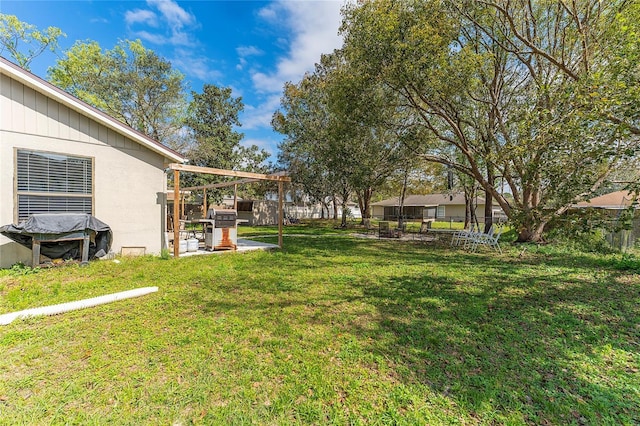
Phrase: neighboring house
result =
(618, 200)
(58, 154)
(612, 205)
(433, 206)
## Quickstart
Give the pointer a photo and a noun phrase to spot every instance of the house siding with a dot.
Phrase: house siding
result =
(453, 212)
(129, 178)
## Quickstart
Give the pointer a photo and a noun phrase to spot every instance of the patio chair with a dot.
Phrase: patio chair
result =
(490, 240)
(460, 237)
(473, 239)
(290, 220)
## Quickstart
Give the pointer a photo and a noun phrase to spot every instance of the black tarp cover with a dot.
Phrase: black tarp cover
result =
(58, 226)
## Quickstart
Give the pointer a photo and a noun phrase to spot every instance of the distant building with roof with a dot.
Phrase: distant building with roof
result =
(617, 200)
(447, 206)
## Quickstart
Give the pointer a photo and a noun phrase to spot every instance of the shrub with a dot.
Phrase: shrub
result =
(20, 268)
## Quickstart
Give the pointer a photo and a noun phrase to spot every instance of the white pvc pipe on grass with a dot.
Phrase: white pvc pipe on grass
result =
(79, 304)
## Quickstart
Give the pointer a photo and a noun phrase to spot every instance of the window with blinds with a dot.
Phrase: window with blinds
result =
(53, 183)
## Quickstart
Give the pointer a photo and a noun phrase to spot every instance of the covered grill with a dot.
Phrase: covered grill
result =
(61, 235)
(221, 231)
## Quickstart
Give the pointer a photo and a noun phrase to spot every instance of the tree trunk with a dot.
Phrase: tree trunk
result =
(488, 211)
(343, 221)
(335, 208)
(531, 232)
(324, 206)
(488, 203)
(345, 199)
(364, 202)
(402, 196)
(470, 216)
(467, 210)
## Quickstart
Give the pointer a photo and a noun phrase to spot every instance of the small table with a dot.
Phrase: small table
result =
(83, 237)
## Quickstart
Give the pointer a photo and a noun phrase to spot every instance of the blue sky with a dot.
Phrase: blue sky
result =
(254, 47)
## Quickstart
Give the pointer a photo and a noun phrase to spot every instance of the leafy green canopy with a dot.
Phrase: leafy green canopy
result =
(542, 95)
(130, 83)
(304, 119)
(16, 35)
(339, 138)
(212, 118)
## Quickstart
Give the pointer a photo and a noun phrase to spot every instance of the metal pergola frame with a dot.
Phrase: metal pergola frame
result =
(247, 177)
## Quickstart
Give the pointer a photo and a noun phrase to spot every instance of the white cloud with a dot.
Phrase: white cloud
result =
(196, 66)
(255, 117)
(171, 23)
(176, 16)
(150, 37)
(138, 16)
(243, 53)
(268, 14)
(313, 28)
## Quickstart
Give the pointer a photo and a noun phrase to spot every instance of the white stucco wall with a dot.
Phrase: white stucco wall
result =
(128, 177)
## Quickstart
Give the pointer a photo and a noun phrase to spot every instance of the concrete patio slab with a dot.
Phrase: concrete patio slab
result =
(243, 246)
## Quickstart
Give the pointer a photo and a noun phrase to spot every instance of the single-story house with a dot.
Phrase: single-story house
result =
(617, 200)
(612, 205)
(433, 206)
(59, 154)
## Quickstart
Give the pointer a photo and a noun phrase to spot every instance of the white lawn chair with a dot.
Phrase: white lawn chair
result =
(491, 239)
(461, 236)
(473, 239)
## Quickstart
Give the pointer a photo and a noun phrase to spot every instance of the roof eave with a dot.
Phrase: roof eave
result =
(36, 83)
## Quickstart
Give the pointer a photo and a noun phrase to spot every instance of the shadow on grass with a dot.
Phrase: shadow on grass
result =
(542, 338)
(552, 338)
(395, 328)
(516, 344)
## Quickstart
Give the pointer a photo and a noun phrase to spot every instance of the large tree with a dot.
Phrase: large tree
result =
(339, 123)
(305, 120)
(24, 42)
(212, 120)
(130, 83)
(521, 91)
(375, 131)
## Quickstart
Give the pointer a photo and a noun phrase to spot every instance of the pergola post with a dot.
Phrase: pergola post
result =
(280, 213)
(183, 199)
(176, 213)
(247, 177)
(204, 203)
(235, 197)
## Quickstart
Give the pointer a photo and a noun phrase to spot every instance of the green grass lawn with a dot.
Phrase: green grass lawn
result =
(330, 330)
